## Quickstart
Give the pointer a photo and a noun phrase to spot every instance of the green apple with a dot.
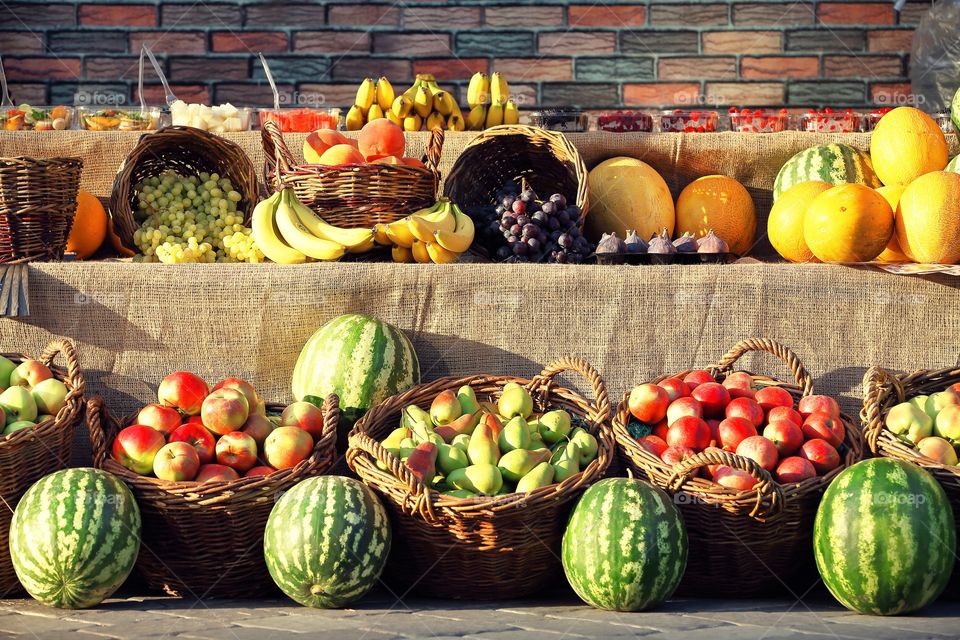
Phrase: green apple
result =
(18, 404)
(50, 396)
(6, 368)
(17, 426)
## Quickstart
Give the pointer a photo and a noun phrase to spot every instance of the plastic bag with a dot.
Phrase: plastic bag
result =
(935, 58)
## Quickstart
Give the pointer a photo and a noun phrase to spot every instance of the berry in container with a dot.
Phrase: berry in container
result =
(871, 119)
(301, 119)
(758, 120)
(625, 121)
(679, 121)
(830, 121)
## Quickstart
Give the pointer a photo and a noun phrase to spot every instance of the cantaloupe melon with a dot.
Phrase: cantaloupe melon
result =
(928, 218)
(848, 223)
(785, 223)
(906, 144)
(722, 204)
(626, 193)
(893, 252)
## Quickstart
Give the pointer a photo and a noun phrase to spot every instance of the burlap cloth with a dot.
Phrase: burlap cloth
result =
(135, 323)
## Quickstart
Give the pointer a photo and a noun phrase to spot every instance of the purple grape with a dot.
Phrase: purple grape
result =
(523, 220)
(539, 218)
(574, 212)
(512, 239)
(519, 249)
(561, 257)
(519, 207)
(548, 208)
(507, 202)
(559, 200)
(516, 230)
(563, 217)
(565, 240)
(531, 230)
(534, 244)
(528, 195)
(503, 253)
(553, 224)
(509, 221)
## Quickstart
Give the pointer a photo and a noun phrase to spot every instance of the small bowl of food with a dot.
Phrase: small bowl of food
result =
(32, 118)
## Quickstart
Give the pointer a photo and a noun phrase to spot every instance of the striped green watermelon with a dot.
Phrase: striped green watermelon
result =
(326, 541)
(954, 165)
(833, 163)
(884, 537)
(625, 547)
(360, 358)
(955, 112)
(74, 538)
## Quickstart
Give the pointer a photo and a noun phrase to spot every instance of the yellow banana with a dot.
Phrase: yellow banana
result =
(385, 93)
(427, 77)
(460, 239)
(442, 102)
(434, 120)
(455, 122)
(439, 255)
(366, 94)
(412, 91)
(478, 91)
(419, 251)
(402, 106)
(494, 116)
(402, 254)
(412, 122)
(300, 238)
(423, 224)
(363, 247)
(267, 237)
(354, 240)
(392, 117)
(375, 112)
(477, 118)
(423, 101)
(380, 235)
(399, 233)
(354, 119)
(499, 91)
(510, 113)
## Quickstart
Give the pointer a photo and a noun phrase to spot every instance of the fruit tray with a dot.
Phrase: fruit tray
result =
(655, 259)
(830, 121)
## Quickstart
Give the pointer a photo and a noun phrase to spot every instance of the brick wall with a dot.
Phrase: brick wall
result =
(654, 52)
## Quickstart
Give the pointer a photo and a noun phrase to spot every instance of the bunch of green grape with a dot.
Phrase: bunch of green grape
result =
(191, 219)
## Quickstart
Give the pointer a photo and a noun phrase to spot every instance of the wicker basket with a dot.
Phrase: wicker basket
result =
(742, 543)
(29, 454)
(206, 540)
(188, 151)
(486, 547)
(882, 391)
(38, 199)
(354, 196)
(546, 159)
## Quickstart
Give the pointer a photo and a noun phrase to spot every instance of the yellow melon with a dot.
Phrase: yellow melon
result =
(722, 204)
(928, 218)
(626, 193)
(785, 224)
(848, 223)
(89, 226)
(893, 252)
(906, 144)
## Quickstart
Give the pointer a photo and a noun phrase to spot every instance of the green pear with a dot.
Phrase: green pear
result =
(408, 443)
(519, 462)
(396, 436)
(17, 426)
(540, 476)
(418, 421)
(445, 408)
(450, 458)
(515, 435)
(459, 493)
(461, 442)
(937, 401)
(18, 404)
(587, 443)
(464, 424)
(515, 401)
(568, 463)
(554, 426)
(511, 385)
(435, 439)
(478, 478)
(920, 402)
(6, 368)
(505, 489)
(483, 447)
(536, 441)
(468, 400)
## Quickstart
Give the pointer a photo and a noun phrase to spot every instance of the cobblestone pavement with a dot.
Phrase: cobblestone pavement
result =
(554, 617)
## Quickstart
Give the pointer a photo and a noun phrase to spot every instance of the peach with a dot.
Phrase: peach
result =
(340, 154)
(318, 142)
(938, 450)
(380, 138)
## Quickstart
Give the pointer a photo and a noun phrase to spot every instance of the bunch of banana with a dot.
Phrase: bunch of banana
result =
(288, 232)
(373, 101)
(425, 106)
(437, 234)
(490, 103)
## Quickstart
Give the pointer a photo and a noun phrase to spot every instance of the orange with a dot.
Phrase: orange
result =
(893, 252)
(928, 218)
(380, 138)
(785, 224)
(906, 144)
(89, 226)
(341, 154)
(848, 223)
(722, 204)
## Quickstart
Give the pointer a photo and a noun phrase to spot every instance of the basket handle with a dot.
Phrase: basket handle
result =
(434, 151)
(765, 487)
(97, 418)
(877, 381)
(331, 421)
(279, 158)
(545, 379)
(74, 377)
(743, 347)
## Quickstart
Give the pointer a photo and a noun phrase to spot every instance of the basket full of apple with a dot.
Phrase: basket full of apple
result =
(746, 458)
(208, 464)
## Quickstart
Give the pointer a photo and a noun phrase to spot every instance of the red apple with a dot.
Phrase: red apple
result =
(225, 410)
(823, 425)
(197, 436)
(673, 455)
(733, 431)
(821, 455)
(770, 397)
(697, 377)
(660, 429)
(216, 473)
(794, 469)
(714, 431)
(689, 431)
(176, 462)
(760, 450)
(785, 436)
(812, 404)
(675, 388)
(194, 420)
(136, 446)
(710, 469)
(714, 398)
(184, 391)
(304, 415)
(776, 414)
(259, 471)
(254, 401)
(648, 403)
(257, 427)
(29, 373)
(287, 446)
(740, 385)
(734, 478)
(163, 419)
(653, 444)
(745, 408)
(237, 450)
(684, 407)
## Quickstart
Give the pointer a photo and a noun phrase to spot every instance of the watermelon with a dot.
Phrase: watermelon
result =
(954, 165)
(884, 537)
(625, 547)
(833, 163)
(326, 541)
(362, 359)
(74, 538)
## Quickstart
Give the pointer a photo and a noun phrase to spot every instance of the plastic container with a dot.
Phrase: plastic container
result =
(679, 121)
(221, 118)
(301, 119)
(830, 121)
(26, 117)
(871, 119)
(625, 121)
(118, 119)
(943, 119)
(565, 119)
(759, 120)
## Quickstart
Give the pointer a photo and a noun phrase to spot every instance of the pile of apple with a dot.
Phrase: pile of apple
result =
(463, 447)
(930, 424)
(29, 395)
(691, 415)
(197, 434)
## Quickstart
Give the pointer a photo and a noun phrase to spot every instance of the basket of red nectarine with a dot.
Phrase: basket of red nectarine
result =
(356, 182)
(746, 458)
(206, 467)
